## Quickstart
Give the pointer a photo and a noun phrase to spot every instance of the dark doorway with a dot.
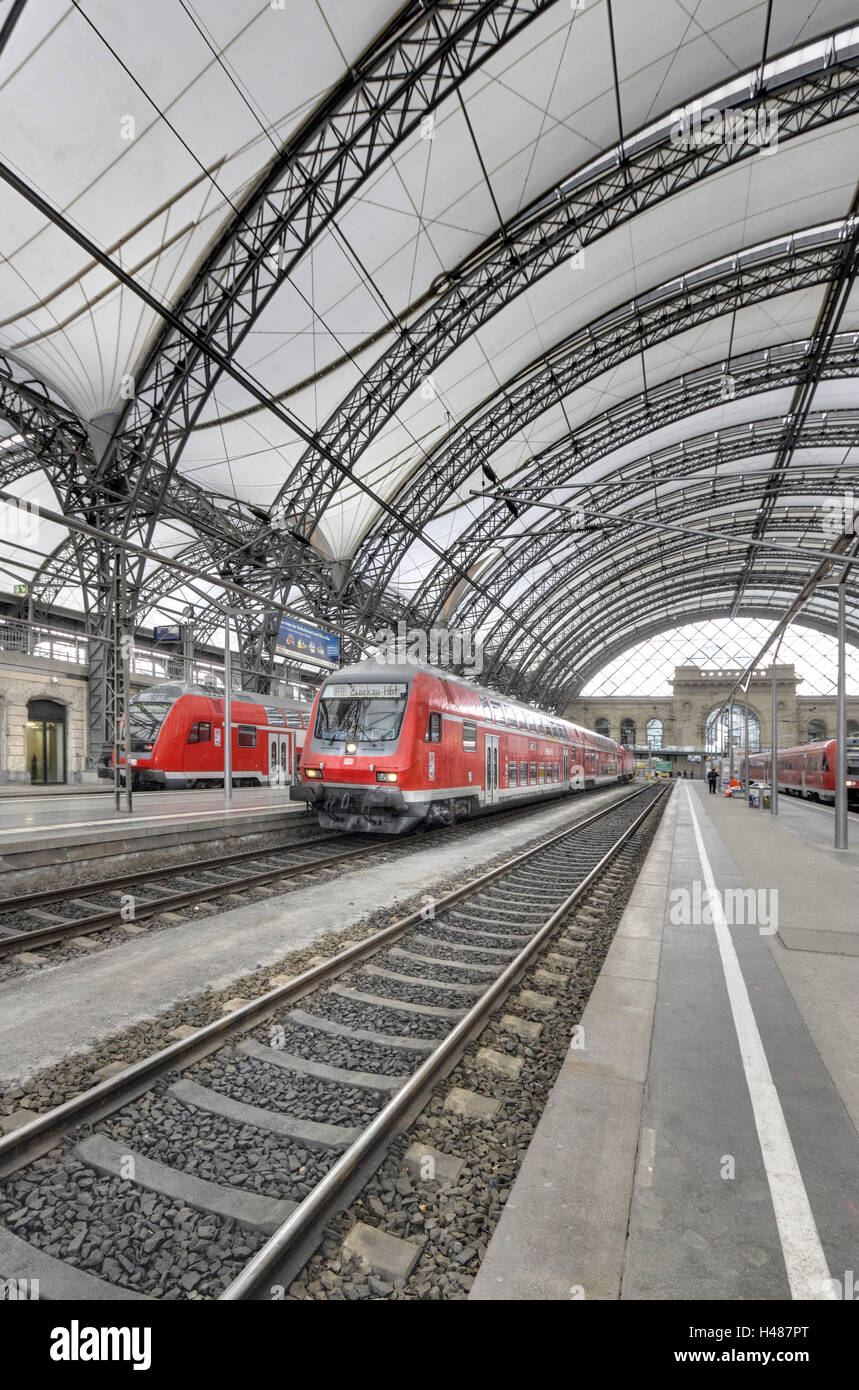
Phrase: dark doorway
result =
(46, 741)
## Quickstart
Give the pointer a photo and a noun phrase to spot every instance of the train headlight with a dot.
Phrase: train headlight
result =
(351, 748)
(313, 772)
(387, 776)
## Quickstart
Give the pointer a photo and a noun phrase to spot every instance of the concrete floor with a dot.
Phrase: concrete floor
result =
(704, 1145)
(88, 1000)
(28, 814)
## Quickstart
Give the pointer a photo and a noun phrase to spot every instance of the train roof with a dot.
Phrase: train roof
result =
(405, 670)
(172, 690)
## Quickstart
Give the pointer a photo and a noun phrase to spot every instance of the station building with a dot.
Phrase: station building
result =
(686, 723)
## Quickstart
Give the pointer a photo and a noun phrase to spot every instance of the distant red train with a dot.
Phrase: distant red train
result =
(177, 738)
(809, 770)
(391, 746)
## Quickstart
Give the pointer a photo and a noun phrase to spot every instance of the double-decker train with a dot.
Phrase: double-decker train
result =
(177, 737)
(393, 746)
(809, 770)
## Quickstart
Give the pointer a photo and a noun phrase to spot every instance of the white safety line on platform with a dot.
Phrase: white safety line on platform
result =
(47, 828)
(807, 1270)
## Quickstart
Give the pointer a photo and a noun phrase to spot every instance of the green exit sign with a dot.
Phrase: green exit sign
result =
(22, 590)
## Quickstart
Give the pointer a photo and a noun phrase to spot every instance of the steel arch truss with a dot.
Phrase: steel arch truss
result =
(670, 605)
(422, 57)
(559, 464)
(816, 615)
(802, 262)
(576, 214)
(622, 578)
(635, 482)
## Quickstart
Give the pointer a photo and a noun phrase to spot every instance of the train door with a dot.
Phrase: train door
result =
(279, 758)
(490, 780)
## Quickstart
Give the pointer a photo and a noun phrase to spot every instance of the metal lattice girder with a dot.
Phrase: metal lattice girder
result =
(573, 588)
(425, 54)
(710, 606)
(53, 434)
(749, 278)
(670, 606)
(518, 555)
(685, 568)
(559, 464)
(829, 319)
(570, 217)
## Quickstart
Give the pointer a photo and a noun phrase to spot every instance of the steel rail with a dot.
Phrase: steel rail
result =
(323, 1202)
(100, 921)
(45, 1131)
(117, 881)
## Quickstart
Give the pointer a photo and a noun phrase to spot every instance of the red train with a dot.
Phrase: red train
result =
(809, 770)
(177, 737)
(391, 746)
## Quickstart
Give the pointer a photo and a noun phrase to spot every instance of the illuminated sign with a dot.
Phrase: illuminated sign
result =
(303, 642)
(354, 690)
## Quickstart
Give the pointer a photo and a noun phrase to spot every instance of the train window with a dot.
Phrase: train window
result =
(513, 774)
(469, 736)
(541, 773)
(497, 712)
(523, 774)
(509, 717)
(433, 733)
(532, 722)
(293, 719)
(825, 763)
(201, 732)
(533, 775)
(246, 736)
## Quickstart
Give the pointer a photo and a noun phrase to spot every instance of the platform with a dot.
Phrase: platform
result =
(40, 833)
(704, 1143)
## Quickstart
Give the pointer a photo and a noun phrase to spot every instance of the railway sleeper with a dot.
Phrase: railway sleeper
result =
(251, 1209)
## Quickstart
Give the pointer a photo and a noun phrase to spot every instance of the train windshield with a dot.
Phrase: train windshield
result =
(146, 718)
(367, 713)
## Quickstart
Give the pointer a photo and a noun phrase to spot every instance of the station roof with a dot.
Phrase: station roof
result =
(296, 292)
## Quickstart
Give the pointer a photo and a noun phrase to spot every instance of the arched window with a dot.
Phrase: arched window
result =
(717, 739)
(816, 730)
(853, 726)
(627, 733)
(654, 733)
(601, 727)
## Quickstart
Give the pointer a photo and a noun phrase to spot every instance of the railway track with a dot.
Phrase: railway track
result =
(34, 920)
(217, 1162)
(133, 897)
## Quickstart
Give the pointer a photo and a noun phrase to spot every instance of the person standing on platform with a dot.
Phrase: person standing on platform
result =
(712, 778)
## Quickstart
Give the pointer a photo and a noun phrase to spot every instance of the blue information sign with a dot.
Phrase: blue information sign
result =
(303, 642)
(167, 634)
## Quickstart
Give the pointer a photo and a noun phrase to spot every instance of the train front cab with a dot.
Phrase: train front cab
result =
(356, 768)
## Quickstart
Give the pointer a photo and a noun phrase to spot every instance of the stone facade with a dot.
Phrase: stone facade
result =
(697, 693)
(33, 678)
